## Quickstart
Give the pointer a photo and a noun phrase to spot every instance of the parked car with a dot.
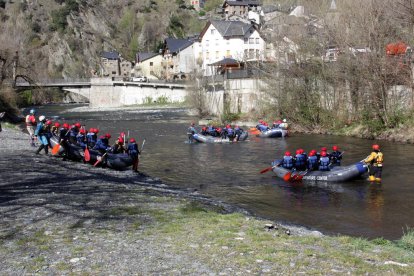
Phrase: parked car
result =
(140, 79)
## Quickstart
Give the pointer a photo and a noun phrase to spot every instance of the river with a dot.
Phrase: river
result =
(230, 172)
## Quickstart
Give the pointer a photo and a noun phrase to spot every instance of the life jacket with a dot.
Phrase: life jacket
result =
(73, 132)
(230, 131)
(102, 144)
(30, 120)
(324, 163)
(262, 127)
(40, 129)
(133, 149)
(80, 139)
(379, 160)
(287, 162)
(336, 157)
(313, 163)
(63, 133)
(300, 161)
(192, 130)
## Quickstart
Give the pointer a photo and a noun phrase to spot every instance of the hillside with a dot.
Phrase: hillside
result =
(58, 38)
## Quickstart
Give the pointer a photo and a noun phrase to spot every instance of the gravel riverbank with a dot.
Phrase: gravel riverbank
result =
(61, 217)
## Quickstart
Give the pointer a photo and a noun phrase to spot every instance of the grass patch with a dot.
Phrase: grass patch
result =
(407, 240)
(124, 211)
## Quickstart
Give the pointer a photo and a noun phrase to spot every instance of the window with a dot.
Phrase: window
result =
(213, 31)
(246, 53)
(257, 54)
(228, 53)
(217, 54)
(246, 40)
(251, 53)
(113, 72)
(257, 40)
(151, 63)
(207, 44)
(251, 40)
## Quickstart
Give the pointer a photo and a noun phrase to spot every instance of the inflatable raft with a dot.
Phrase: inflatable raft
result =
(273, 133)
(118, 161)
(210, 139)
(336, 174)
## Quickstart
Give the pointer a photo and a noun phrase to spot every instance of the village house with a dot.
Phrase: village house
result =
(148, 65)
(198, 4)
(229, 39)
(114, 65)
(179, 57)
(240, 7)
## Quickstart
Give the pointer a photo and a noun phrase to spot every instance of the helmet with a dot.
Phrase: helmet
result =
(82, 130)
(107, 135)
(323, 153)
(96, 131)
(301, 151)
(279, 121)
(122, 134)
(228, 126)
(311, 153)
(298, 151)
(335, 148)
(375, 147)
(260, 121)
(91, 129)
(132, 140)
(48, 122)
(120, 140)
(42, 118)
(32, 111)
(57, 124)
(284, 120)
(218, 129)
(78, 125)
(65, 125)
(287, 153)
(324, 149)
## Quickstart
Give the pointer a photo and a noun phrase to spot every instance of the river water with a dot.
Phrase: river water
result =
(230, 172)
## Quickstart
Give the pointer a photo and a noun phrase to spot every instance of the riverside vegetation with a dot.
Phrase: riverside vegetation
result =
(66, 217)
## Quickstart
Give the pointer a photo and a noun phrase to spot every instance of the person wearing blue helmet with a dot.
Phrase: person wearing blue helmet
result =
(31, 125)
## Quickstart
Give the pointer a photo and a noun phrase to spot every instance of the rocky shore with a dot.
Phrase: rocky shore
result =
(62, 217)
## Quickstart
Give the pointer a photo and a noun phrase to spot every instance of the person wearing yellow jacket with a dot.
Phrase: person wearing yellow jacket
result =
(375, 161)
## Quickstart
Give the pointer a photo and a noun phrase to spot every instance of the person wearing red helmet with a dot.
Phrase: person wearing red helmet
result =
(375, 161)
(287, 162)
(73, 132)
(262, 126)
(102, 145)
(312, 161)
(55, 129)
(336, 156)
(229, 132)
(238, 131)
(63, 139)
(324, 162)
(81, 138)
(300, 160)
(91, 137)
(119, 147)
(133, 152)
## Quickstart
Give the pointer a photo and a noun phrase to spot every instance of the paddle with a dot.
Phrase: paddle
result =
(288, 175)
(56, 147)
(268, 169)
(137, 161)
(100, 159)
(87, 156)
(300, 176)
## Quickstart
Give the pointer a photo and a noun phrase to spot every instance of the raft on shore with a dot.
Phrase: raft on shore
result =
(211, 139)
(117, 161)
(336, 174)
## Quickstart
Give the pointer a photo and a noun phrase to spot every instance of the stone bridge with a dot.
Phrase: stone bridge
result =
(114, 92)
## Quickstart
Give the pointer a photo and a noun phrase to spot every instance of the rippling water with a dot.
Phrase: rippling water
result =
(230, 172)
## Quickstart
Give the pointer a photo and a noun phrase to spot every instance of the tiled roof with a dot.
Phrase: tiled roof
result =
(144, 56)
(231, 28)
(110, 55)
(243, 3)
(175, 45)
(226, 61)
